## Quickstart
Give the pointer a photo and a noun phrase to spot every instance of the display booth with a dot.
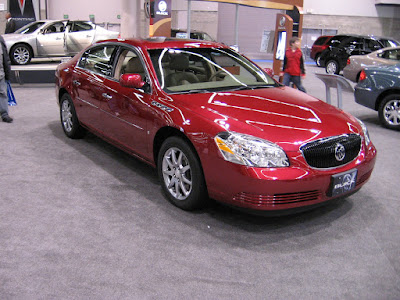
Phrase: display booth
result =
(159, 13)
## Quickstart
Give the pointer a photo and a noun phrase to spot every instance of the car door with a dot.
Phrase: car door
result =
(78, 35)
(124, 109)
(50, 40)
(89, 84)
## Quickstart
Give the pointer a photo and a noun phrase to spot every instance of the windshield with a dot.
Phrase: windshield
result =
(190, 70)
(389, 43)
(29, 28)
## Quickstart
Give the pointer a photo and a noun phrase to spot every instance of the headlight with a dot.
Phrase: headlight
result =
(250, 151)
(365, 130)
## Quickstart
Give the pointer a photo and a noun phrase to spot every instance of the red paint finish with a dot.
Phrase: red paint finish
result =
(137, 120)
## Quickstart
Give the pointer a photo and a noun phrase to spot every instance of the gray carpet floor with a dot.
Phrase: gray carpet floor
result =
(79, 219)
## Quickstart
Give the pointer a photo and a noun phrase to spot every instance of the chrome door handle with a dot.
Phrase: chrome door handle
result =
(76, 82)
(107, 96)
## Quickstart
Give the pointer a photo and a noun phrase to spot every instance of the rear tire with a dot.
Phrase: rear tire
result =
(332, 67)
(389, 111)
(69, 120)
(318, 60)
(181, 175)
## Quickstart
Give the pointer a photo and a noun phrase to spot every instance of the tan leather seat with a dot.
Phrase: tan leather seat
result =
(179, 64)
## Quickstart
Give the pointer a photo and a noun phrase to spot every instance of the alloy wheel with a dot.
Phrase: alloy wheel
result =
(66, 116)
(331, 67)
(177, 173)
(391, 112)
(21, 55)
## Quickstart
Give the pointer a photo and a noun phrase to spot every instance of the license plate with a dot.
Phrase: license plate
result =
(343, 182)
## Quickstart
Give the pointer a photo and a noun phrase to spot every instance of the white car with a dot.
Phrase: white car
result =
(47, 38)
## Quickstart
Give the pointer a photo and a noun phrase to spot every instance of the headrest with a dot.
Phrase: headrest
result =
(134, 66)
(179, 62)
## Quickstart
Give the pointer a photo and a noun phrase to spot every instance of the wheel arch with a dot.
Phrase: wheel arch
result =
(385, 93)
(24, 44)
(166, 132)
(61, 93)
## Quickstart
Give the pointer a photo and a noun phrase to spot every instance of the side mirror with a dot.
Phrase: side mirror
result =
(131, 81)
(269, 71)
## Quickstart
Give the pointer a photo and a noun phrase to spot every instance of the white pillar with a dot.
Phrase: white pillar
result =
(189, 9)
(130, 18)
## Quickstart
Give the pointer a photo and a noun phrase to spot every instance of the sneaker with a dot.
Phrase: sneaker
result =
(7, 119)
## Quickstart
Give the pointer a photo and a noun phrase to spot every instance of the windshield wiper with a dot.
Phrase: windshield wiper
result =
(253, 87)
(193, 92)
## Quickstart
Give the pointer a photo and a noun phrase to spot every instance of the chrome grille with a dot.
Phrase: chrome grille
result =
(323, 153)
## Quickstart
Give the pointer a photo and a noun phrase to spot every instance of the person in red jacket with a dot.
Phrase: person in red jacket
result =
(293, 64)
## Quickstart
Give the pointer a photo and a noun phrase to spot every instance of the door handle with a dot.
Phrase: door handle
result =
(76, 82)
(107, 96)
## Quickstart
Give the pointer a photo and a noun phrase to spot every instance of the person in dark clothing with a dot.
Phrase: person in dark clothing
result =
(293, 64)
(5, 72)
(10, 25)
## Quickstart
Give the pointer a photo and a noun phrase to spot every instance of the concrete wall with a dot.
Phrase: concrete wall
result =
(382, 26)
(253, 23)
(362, 8)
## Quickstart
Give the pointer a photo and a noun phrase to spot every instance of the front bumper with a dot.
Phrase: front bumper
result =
(297, 186)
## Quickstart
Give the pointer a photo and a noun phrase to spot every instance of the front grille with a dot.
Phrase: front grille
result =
(323, 153)
(277, 199)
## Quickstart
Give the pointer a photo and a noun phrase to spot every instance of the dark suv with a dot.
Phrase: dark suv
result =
(334, 58)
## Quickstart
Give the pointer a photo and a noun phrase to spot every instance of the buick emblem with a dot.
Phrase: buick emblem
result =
(347, 182)
(340, 152)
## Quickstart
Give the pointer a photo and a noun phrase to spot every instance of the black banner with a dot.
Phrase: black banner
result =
(22, 11)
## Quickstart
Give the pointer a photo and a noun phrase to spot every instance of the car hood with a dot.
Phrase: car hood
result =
(281, 115)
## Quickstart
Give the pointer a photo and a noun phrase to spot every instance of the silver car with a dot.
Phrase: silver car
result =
(386, 56)
(47, 38)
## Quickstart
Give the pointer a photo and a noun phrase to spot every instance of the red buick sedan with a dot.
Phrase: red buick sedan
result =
(214, 124)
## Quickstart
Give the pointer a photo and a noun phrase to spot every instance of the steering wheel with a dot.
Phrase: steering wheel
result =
(217, 74)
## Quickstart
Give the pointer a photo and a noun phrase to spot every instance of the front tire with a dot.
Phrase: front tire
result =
(389, 111)
(69, 120)
(332, 67)
(181, 175)
(20, 54)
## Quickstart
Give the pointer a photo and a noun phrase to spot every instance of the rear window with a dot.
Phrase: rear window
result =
(321, 40)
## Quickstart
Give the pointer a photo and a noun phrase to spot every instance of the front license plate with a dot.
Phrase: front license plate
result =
(343, 182)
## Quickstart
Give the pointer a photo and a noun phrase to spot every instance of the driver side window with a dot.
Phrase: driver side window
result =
(55, 28)
(129, 63)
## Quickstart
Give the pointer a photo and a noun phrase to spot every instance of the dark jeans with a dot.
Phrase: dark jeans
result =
(287, 78)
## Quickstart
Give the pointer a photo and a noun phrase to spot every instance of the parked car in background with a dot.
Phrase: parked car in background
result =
(318, 46)
(214, 124)
(341, 47)
(194, 34)
(49, 38)
(379, 89)
(355, 63)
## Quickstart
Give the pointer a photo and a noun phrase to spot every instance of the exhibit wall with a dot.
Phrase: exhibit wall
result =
(255, 28)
